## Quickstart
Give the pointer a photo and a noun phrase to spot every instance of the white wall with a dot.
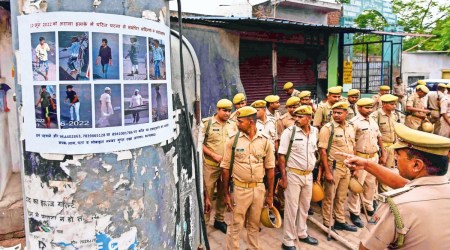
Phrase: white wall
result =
(429, 65)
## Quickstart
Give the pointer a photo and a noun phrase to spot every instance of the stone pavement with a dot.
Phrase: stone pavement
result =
(272, 238)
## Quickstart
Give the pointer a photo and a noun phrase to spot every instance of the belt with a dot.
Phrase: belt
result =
(299, 171)
(245, 184)
(387, 144)
(364, 155)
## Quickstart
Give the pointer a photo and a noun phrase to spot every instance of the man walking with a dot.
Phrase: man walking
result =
(104, 57)
(74, 103)
(41, 51)
(136, 101)
(352, 98)
(324, 111)
(399, 90)
(415, 106)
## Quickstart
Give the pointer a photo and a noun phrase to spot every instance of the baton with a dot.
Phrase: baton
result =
(332, 202)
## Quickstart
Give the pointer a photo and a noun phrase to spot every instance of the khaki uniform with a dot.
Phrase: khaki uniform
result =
(299, 189)
(252, 158)
(378, 103)
(433, 104)
(295, 93)
(343, 141)
(216, 137)
(445, 111)
(412, 120)
(400, 90)
(366, 138)
(269, 129)
(275, 116)
(352, 111)
(233, 116)
(424, 212)
(322, 115)
(285, 121)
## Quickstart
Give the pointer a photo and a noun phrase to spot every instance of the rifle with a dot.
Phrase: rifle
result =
(332, 202)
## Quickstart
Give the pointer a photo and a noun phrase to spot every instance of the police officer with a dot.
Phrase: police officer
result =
(264, 124)
(415, 106)
(216, 129)
(297, 176)
(445, 114)
(305, 99)
(290, 90)
(272, 106)
(336, 136)
(384, 89)
(399, 90)
(434, 103)
(288, 119)
(252, 156)
(386, 118)
(415, 216)
(368, 141)
(239, 101)
(323, 113)
(352, 98)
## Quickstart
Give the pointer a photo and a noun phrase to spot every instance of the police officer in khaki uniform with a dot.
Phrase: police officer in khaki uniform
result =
(288, 119)
(414, 216)
(384, 89)
(305, 99)
(416, 107)
(323, 113)
(434, 99)
(264, 124)
(368, 141)
(445, 114)
(216, 129)
(239, 101)
(290, 90)
(272, 106)
(297, 178)
(399, 90)
(253, 157)
(336, 136)
(386, 118)
(352, 98)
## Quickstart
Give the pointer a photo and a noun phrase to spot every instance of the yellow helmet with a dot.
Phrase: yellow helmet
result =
(270, 217)
(427, 127)
(317, 192)
(355, 186)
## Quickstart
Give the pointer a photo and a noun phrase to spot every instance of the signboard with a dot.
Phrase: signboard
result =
(94, 82)
(348, 70)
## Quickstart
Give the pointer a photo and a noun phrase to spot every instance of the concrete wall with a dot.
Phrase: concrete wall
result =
(428, 65)
(302, 15)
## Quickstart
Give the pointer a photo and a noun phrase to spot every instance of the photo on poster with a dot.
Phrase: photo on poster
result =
(135, 102)
(106, 56)
(75, 106)
(160, 108)
(45, 106)
(73, 55)
(134, 58)
(108, 99)
(43, 56)
(157, 60)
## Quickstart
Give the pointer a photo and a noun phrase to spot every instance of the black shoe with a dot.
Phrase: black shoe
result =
(309, 240)
(370, 213)
(221, 226)
(356, 220)
(284, 247)
(310, 212)
(345, 226)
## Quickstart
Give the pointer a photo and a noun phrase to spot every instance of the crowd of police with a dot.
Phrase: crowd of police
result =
(343, 150)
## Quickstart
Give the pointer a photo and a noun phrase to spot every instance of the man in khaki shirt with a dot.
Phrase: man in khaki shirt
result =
(323, 113)
(416, 108)
(288, 119)
(368, 141)
(264, 124)
(239, 101)
(216, 129)
(384, 89)
(445, 114)
(434, 99)
(352, 98)
(297, 179)
(342, 137)
(272, 106)
(290, 90)
(253, 157)
(399, 90)
(305, 99)
(415, 214)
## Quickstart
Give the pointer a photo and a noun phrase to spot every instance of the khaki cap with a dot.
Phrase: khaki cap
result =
(335, 90)
(353, 92)
(239, 97)
(304, 93)
(389, 98)
(340, 105)
(422, 141)
(272, 98)
(224, 104)
(246, 111)
(421, 82)
(317, 192)
(365, 102)
(271, 218)
(303, 110)
(292, 101)
(423, 88)
(385, 88)
(288, 85)
(442, 85)
(448, 85)
(258, 104)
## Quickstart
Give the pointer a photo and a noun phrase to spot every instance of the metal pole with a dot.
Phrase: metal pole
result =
(341, 59)
(367, 68)
(382, 61)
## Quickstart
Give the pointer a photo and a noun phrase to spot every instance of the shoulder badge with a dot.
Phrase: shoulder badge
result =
(392, 193)
(327, 125)
(232, 134)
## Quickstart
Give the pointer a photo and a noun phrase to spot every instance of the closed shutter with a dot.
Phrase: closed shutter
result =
(255, 65)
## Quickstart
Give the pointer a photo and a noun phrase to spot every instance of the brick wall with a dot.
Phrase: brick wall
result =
(333, 18)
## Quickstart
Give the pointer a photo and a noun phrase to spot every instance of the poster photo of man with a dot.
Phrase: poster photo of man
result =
(160, 109)
(136, 103)
(43, 56)
(105, 54)
(134, 57)
(73, 56)
(108, 99)
(75, 106)
(157, 70)
(45, 106)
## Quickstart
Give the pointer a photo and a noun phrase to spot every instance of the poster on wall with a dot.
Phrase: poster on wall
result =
(94, 83)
